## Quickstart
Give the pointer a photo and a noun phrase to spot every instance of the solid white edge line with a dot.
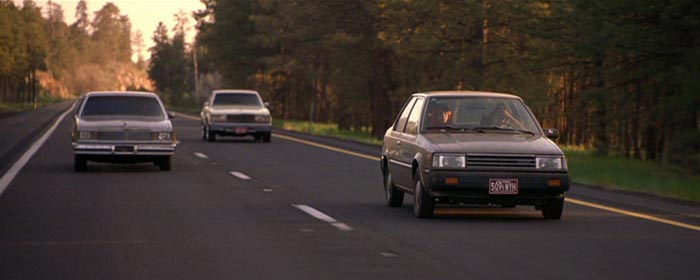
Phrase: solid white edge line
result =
(201, 155)
(240, 175)
(19, 164)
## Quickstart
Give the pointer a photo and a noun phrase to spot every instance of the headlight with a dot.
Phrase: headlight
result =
(88, 135)
(262, 118)
(449, 161)
(550, 163)
(218, 118)
(162, 135)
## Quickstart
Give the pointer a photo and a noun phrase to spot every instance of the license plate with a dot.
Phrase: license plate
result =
(124, 148)
(241, 130)
(503, 186)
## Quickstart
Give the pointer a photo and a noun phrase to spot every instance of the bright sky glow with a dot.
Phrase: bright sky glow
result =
(143, 14)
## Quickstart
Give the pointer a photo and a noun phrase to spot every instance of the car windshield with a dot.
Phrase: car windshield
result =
(122, 106)
(240, 99)
(481, 114)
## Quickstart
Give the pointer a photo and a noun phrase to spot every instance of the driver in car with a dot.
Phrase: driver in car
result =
(438, 115)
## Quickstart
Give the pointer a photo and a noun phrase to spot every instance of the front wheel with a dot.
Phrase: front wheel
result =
(164, 163)
(393, 196)
(79, 163)
(211, 136)
(423, 204)
(553, 209)
(267, 137)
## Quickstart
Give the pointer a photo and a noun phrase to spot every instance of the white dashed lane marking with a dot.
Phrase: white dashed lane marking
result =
(240, 175)
(201, 155)
(323, 217)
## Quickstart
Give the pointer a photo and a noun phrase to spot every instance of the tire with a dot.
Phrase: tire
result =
(211, 136)
(79, 163)
(164, 163)
(267, 137)
(257, 137)
(204, 132)
(393, 196)
(553, 209)
(423, 204)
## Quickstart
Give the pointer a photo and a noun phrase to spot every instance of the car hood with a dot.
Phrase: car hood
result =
(124, 123)
(231, 110)
(493, 143)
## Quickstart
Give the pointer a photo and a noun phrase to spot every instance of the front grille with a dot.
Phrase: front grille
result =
(500, 161)
(242, 118)
(125, 135)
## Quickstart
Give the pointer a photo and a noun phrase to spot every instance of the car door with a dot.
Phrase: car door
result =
(404, 137)
(392, 141)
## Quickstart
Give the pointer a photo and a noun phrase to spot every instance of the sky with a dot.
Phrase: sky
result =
(143, 14)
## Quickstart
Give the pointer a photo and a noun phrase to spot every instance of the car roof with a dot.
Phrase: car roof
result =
(467, 94)
(235, 91)
(120, 93)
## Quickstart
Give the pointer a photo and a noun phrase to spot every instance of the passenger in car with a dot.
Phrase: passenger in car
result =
(501, 117)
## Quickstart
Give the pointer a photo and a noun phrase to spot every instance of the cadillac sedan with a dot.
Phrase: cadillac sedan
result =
(472, 148)
(236, 112)
(122, 127)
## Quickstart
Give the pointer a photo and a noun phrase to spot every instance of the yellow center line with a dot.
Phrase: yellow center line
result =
(633, 214)
(327, 147)
(570, 200)
(187, 116)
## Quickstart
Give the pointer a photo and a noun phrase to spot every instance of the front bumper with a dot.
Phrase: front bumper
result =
(125, 148)
(240, 128)
(472, 187)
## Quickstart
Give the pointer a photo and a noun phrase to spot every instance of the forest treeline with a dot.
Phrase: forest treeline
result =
(621, 77)
(41, 54)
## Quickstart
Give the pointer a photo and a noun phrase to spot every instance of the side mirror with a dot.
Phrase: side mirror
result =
(551, 133)
(206, 103)
(266, 104)
(171, 115)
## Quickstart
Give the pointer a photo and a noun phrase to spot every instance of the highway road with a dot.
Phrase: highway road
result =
(306, 209)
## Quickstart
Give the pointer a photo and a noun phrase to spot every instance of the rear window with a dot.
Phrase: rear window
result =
(241, 99)
(122, 106)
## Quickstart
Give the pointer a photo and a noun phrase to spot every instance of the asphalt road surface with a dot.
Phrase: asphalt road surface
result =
(237, 209)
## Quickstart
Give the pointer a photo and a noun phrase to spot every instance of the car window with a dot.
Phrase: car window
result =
(122, 106)
(412, 124)
(241, 99)
(403, 117)
(474, 112)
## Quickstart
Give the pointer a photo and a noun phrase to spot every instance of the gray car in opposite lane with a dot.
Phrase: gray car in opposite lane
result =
(122, 127)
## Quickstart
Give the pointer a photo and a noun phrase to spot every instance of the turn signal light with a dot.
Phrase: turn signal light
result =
(554, 183)
(451, 181)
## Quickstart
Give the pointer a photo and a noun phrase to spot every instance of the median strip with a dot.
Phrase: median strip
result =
(323, 217)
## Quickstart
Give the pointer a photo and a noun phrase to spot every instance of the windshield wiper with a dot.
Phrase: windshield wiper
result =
(453, 127)
(484, 128)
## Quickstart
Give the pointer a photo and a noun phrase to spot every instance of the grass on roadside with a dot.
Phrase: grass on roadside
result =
(19, 107)
(326, 129)
(633, 175)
